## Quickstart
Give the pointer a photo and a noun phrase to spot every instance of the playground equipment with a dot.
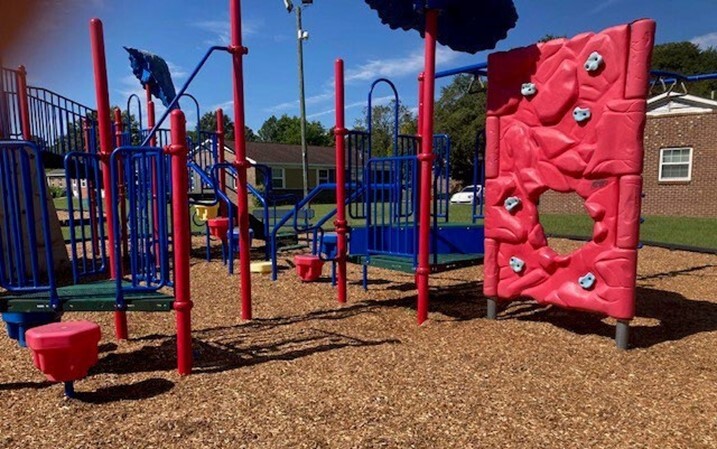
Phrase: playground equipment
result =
(579, 129)
(138, 176)
(64, 352)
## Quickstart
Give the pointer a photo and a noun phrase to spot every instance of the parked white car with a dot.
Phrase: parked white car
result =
(465, 196)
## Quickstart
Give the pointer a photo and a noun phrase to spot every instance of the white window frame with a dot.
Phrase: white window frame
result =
(328, 175)
(660, 178)
(275, 175)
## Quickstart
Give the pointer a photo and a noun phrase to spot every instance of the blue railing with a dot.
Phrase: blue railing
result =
(23, 269)
(57, 123)
(441, 176)
(147, 219)
(84, 188)
(385, 198)
(10, 126)
(477, 205)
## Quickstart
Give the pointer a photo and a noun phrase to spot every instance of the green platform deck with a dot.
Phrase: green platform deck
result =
(445, 262)
(93, 297)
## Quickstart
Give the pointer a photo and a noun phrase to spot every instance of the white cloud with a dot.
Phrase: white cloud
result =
(220, 30)
(705, 41)
(376, 101)
(603, 6)
(411, 64)
(310, 101)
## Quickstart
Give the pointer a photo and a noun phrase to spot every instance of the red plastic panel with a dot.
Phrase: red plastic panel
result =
(64, 351)
(538, 139)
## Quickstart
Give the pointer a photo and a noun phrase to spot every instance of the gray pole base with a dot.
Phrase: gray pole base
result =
(622, 334)
(492, 309)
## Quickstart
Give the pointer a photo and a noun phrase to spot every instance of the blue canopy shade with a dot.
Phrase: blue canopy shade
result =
(152, 70)
(463, 25)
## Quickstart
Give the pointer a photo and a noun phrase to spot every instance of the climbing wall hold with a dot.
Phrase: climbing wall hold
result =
(528, 89)
(511, 203)
(581, 114)
(587, 282)
(594, 62)
(517, 264)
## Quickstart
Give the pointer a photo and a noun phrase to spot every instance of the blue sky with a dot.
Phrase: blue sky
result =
(57, 50)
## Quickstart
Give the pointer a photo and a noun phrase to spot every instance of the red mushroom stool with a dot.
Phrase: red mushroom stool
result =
(218, 227)
(64, 351)
(308, 267)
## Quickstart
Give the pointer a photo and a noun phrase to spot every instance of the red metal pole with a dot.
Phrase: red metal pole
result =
(99, 64)
(24, 103)
(426, 160)
(151, 119)
(340, 223)
(119, 129)
(421, 81)
(220, 157)
(91, 194)
(238, 51)
(182, 243)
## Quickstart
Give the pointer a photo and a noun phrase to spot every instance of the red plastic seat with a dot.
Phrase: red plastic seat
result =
(218, 227)
(64, 352)
(308, 267)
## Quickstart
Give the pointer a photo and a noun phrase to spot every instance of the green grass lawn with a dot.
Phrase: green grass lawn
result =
(697, 232)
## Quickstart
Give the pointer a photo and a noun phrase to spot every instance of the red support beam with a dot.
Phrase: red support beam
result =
(421, 81)
(426, 158)
(340, 223)
(238, 51)
(99, 64)
(181, 239)
(151, 118)
(220, 157)
(23, 103)
(119, 129)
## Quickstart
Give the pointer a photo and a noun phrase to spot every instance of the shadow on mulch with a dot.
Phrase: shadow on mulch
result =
(133, 392)
(678, 318)
(25, 385)
(228, 348)
(675, 273)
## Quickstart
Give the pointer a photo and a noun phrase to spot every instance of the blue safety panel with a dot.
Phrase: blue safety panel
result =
(445, 239)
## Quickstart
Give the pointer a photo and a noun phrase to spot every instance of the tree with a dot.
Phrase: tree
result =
(287, 129)
(688, 59)
(383, 120)
(461, 114)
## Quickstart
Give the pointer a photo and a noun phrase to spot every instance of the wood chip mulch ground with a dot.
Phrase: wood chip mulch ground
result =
(307, 373)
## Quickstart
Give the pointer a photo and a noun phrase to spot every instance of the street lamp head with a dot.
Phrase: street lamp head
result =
(289, 5)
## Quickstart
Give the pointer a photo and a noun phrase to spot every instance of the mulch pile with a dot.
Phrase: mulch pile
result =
(308, 373)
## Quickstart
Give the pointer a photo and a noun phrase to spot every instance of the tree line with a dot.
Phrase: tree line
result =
(460, 112)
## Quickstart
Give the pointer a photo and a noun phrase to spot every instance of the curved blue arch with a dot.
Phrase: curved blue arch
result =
(369, 115)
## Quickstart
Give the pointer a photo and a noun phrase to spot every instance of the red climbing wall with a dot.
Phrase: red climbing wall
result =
(567, 115)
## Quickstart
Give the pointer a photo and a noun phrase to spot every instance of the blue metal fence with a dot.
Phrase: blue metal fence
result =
(23, 205)
(10, 127)
(390, 231)
(86, 216)
(143, 168)
(57, 123)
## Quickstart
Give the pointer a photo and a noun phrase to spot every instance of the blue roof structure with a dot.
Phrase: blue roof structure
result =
(153, 70)
(464, 25)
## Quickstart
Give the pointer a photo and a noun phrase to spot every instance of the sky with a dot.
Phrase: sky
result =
(56, 49)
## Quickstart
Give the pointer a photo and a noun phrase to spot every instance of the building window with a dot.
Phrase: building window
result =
(675, 164)
(83, 183)
(234, 181)
(326, 175)
(277, 178)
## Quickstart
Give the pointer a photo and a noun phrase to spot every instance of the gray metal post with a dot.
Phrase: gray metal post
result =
(622, 334)
(302, 100)
(492, 309)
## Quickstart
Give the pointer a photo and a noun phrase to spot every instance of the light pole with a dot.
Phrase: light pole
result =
(301, 36)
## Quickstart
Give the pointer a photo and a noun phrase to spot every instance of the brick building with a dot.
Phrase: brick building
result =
(680, 166)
